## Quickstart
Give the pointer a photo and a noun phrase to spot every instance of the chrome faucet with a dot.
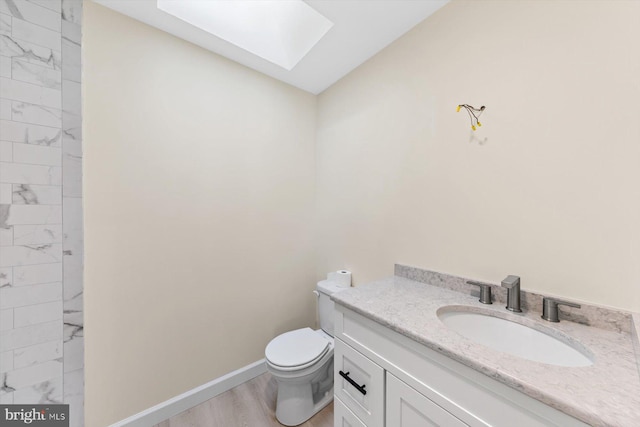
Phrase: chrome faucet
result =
(550, 308)
(512, 283)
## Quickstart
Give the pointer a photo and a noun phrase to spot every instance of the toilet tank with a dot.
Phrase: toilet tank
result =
(325, 305)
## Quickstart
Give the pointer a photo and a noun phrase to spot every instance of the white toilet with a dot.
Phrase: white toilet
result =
(301, 361)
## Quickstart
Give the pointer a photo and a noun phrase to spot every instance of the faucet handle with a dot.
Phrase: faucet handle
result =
(550, 308)
(485, 291)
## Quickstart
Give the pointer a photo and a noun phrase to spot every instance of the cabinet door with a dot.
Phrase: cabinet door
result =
(343, 417)
(359, 384)
(408, 408)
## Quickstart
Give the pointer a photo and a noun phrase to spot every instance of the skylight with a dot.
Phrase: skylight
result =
(282, 32)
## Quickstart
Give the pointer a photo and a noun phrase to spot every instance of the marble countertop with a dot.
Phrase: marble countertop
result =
(606, 393)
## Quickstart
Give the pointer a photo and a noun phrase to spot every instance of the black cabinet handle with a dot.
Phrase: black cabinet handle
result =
(360, 388)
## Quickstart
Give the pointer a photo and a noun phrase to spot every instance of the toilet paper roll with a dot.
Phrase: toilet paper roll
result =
(342, 277)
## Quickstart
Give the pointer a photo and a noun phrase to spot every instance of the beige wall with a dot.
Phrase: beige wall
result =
(199, 184)
(552, 195)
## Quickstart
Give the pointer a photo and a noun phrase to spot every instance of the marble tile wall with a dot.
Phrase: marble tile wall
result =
(41, 240)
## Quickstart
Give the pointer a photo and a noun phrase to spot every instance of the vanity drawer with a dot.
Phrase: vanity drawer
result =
(408, 408)
(343, 417)
(359, 384)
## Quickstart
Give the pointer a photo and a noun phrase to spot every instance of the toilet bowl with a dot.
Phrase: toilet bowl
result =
(301, 361)
(305, 378)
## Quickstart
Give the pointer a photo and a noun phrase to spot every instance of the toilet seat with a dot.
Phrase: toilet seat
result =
(296, 350)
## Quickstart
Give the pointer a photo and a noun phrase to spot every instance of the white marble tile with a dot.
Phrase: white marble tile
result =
(6, 236)
(72, 293)
(6, 398)
(72, 176)
(36, 274)
(36, 34)
(73, 324)
(72, 11)
(5, 210)
(73, 249)
(73, 253)
(5, 66)
(71, 64)
(71, 97)
(32, 12)
(72, 147)
(6, 151)
(30, 93)
(6, 277)
(74, 354)
(30, 254)
(37, 313)
(37, 234)
(5, 194)
(33, 180)
(5, 24)
(38, 353)
(6, 319)
(5, 109)
(71, 32)
(42, 393)
(35, 114)
(31, 134)
(37, 154)
(73, 283)
(25, 194)
(23, 377)
(19, 173)
(36, 74)
(74, 396)
(71, 127)
(6, 361)
(72, 221)
(34, 214)
(20, 296)
(16, 48)
(30, 335)
(54, 5)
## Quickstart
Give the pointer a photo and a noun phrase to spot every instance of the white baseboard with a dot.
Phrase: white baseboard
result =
(191, 398)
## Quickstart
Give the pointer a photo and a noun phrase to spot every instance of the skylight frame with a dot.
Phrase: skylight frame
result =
(281, 32)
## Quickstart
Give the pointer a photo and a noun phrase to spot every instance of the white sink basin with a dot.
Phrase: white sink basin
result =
(515, 338)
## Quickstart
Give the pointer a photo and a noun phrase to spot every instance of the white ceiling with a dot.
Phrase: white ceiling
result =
(361, 29)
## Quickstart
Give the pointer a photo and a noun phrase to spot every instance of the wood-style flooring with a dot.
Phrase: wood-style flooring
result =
(252, 404)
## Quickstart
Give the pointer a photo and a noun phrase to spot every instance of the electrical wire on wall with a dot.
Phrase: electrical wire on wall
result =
(474, 114)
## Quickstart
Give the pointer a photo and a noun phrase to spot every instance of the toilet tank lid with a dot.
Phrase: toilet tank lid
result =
(328, 287)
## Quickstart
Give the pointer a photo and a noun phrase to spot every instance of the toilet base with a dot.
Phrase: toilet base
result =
(302, 393)
(295, 404)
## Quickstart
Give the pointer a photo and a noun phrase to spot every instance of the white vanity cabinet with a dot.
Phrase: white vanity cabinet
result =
(359, 384)
(409, 385)
(343, 417)
(408, 408)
